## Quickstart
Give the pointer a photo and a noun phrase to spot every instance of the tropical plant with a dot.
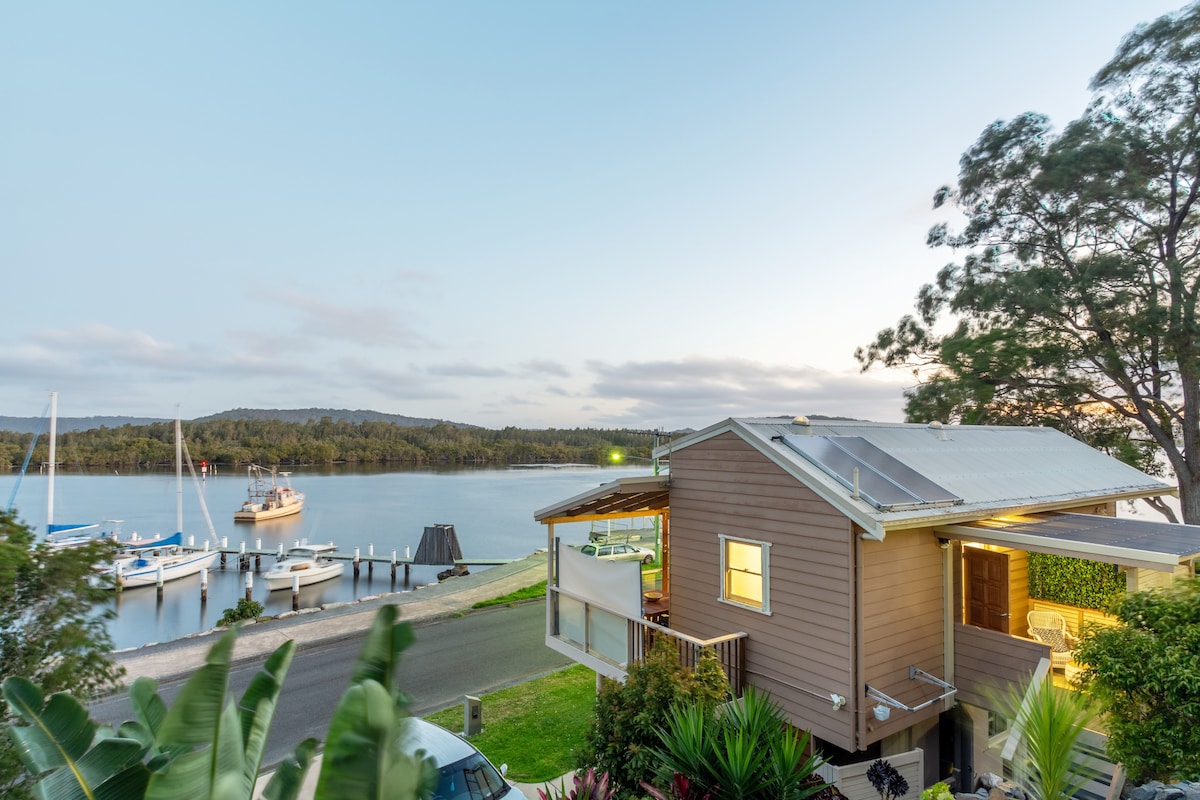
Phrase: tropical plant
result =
(205, 746)
(746, 750)
(1145, 676)
(629, 713)
(680, 789)
(938, 791)
(245, 609)
(1074, 304)
(887, 780)
(1049, 722)
(52, 625)
(586, 786)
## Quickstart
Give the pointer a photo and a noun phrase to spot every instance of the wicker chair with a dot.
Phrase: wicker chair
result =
(1050, 628)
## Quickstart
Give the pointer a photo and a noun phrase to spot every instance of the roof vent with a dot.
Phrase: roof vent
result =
(940, 430)
(800, 421)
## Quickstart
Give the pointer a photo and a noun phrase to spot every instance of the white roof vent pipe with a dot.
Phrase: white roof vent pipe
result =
(801, 425)
(939, 430)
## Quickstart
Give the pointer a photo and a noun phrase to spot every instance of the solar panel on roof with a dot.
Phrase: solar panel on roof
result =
(882, 480)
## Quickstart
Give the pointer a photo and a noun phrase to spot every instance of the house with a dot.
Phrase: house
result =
(871, 576)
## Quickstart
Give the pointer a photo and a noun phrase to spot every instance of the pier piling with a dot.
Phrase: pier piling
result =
(295, 593)
(203, 586)
(249, 586)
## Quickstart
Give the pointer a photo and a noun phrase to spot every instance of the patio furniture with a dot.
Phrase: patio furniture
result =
(1049, 627)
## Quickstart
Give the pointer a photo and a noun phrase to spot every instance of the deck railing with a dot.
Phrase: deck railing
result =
(610, 639)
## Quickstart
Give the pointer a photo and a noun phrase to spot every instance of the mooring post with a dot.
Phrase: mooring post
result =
(370, 560)
(117, 570)
(159, 582)
(243, 559)
(393, 565)
(249, 585)
(191, 541)
(280, 553)
(295, 593)
(407, 570)
(356, 565)
(203, 586)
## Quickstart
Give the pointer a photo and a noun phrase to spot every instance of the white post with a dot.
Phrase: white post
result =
(224, 541)
(204, 584)
(191, 541)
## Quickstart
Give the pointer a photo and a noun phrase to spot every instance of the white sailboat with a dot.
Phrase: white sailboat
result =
(146, 563)
(68, 535)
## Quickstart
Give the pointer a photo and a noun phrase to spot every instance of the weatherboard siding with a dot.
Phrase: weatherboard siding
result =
(802, 651)
(902, 609)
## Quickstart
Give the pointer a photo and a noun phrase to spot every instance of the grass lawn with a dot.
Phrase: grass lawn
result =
(535, 726)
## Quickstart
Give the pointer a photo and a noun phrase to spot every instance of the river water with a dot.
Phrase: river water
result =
(491, 511)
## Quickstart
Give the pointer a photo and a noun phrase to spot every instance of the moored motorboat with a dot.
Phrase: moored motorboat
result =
(269, 496)
(309, 563)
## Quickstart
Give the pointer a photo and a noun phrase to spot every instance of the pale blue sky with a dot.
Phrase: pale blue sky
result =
(541, 214)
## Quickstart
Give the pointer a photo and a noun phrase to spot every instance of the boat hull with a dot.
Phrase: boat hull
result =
(280, 579)
(173, 568)
(249, 515)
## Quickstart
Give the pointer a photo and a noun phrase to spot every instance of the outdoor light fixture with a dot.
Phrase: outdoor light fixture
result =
(838, 701)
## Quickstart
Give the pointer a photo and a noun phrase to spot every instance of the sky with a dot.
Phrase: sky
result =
(505, 213)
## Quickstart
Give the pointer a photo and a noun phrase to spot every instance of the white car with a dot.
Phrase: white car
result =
(464, 773)
(618, 552)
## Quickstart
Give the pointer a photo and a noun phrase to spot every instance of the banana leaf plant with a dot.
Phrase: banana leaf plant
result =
(205, 746)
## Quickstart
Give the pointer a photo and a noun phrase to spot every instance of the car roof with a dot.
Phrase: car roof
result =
(444, 746)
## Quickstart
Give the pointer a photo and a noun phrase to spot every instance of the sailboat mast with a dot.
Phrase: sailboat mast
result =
(178, 475)
(50, 466)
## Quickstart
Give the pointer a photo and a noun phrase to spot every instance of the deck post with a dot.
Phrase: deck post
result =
(393, 565)
(370, 560)
(204, 586)
(356, 562)
(159, 582)
(243, 559)
(295, 593)
(249, 585)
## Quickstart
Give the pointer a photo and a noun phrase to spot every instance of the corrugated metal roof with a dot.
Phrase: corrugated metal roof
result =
(1117, 540)
(994, 469)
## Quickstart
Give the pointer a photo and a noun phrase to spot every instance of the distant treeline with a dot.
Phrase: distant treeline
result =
(248, 441)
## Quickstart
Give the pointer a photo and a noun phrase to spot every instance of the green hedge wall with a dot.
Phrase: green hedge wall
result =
(1074, 581)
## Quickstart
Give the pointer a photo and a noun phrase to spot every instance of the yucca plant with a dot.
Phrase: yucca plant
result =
(745, 750)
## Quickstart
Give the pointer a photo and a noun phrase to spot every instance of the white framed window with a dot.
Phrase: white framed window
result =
(745, 573)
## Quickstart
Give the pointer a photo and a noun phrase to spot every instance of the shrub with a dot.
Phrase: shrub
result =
(246, 609)
(624, 729)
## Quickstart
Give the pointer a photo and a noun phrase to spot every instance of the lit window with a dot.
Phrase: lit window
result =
(745, 574)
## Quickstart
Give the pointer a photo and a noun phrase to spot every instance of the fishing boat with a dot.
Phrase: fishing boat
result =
(143, 562)
(270, 496)
(309, 563)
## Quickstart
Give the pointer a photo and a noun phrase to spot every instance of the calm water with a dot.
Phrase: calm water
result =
(491, 510)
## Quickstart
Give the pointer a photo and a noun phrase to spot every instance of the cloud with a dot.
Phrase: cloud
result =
(370, 325)
(544, 366)
(698, 391)
(465, 369)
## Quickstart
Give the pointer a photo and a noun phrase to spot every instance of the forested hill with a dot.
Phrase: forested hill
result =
(301, 415)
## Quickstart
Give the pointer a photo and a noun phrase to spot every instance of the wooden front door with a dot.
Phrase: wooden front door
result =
(987, 588)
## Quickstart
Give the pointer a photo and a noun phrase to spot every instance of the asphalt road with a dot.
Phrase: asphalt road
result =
(474, 654)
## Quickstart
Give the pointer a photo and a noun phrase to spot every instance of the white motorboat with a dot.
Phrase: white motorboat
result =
(309, 563)
(269, 497)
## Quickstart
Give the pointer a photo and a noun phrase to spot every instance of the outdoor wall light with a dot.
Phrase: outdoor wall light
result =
(838, 701)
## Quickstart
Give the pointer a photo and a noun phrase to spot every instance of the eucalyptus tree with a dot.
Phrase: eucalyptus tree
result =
(1073, 302)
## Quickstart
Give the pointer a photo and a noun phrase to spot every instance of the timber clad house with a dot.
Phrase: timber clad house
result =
(872, 577)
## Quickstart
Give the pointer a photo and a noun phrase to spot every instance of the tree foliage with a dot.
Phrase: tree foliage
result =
(628, 716)
(52, 626)
(234, 442)
(1074, 302)
(1145, 674)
